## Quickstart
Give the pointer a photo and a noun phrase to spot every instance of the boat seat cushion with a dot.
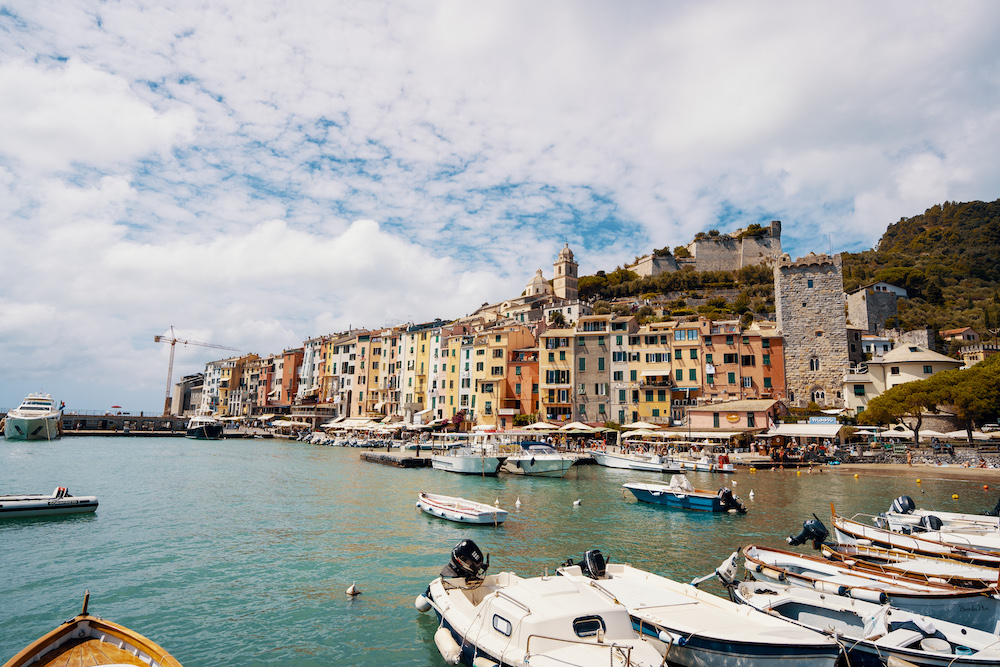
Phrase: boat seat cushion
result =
(899, 638)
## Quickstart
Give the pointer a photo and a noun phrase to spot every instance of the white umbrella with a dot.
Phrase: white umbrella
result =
(540, 426)
(575, 426)
(643, 425)
(962, 435)
(639, 432)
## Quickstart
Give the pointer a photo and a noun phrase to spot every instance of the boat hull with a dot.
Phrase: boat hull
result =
(205, 432)
(849, 618)
(660, 495)
(622, 461)
(88, 641)
(36, 428)
(700, 651)
(974, 608)
(538, 466)
(14, 509)
(467, 465)
(460, 510)
(850, 532)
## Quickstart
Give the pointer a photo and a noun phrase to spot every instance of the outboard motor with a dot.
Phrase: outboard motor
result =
(903, 505)
(930, 522)
(594, 565)
(812, 529)
(996, 510)
(731, 502)
(466, 561)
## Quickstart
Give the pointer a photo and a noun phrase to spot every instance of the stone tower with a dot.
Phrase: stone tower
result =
(809, 300)
(566, 280)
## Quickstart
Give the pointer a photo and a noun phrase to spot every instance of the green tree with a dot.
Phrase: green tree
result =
(557, 319)
(935, 296)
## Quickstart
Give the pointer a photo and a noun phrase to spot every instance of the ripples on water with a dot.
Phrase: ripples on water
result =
(239, 552)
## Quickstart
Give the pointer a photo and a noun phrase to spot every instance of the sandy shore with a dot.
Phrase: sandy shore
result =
(989, 476)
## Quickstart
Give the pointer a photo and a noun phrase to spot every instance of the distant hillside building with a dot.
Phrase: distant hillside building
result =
(973, 354)
(902, 364)
(869, 306)
(965, 334)
(809, 300)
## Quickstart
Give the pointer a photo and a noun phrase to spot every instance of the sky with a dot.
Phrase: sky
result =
(256, 173)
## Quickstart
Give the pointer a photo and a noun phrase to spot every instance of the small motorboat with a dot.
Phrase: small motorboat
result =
(469, 461)
(953, 570)
(203, 426)
(503, 620)
(904, 514)
(59, 502)
(648, 462)
(680, 493)
(976, 608)
(850, 532)
(536, 459)
(695, 628)
(874, 634)
(89, 641)
(460, 509)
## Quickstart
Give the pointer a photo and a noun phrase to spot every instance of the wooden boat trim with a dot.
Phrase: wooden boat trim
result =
(35, 652)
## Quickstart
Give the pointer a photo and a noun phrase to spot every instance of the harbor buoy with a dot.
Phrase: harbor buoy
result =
(751, 494)
(517, 503)
(752, 469)
(734, 482)
(496, 503)
(855, 475)
(576, 503)
(954, 496)
(798, 473)
(918, 480)
(353, 590)
(986, 487)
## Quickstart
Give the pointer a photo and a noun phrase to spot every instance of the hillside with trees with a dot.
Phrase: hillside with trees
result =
(947, 258)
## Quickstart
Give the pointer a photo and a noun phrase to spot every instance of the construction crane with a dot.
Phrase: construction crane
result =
(173, 340)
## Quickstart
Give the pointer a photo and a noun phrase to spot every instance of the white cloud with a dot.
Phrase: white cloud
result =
(221, 167)
(57, 115)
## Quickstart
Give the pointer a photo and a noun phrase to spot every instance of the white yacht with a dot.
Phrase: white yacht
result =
(537, 459)
(204, 426)
(37, 418)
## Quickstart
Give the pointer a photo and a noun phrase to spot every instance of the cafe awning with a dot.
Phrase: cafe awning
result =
(804, 431)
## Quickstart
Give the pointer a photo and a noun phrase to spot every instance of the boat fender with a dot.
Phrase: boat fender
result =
(827, 587)
(777, 575)
(667, 638)
(447, 646)
(868, 595)
(422, 604)
(483, 661)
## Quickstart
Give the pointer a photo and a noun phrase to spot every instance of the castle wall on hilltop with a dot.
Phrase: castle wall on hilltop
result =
(719, 253)
(730, 253)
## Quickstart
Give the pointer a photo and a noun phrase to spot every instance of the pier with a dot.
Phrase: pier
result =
(398, 459)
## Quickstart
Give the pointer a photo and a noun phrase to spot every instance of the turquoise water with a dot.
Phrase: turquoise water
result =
(238, 552)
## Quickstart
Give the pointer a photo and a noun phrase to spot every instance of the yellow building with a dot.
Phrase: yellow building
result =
(491, 350)
(555, 375)
(650, 371)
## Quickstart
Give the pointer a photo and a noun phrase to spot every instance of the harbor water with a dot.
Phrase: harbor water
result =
(239, 552)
